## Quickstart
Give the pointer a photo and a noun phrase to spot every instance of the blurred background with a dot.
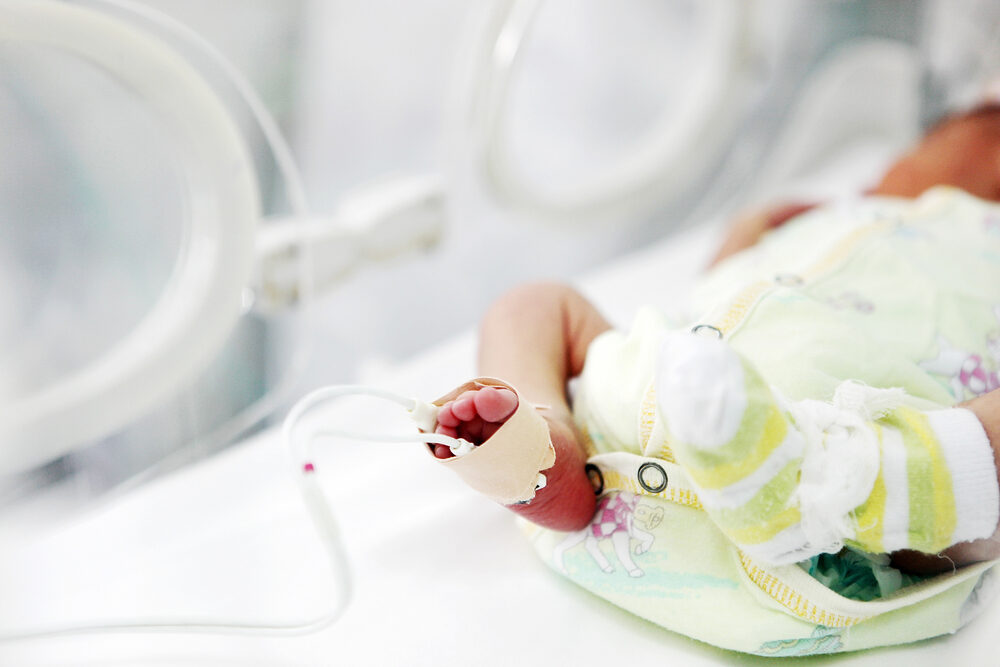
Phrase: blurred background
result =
(448, 151)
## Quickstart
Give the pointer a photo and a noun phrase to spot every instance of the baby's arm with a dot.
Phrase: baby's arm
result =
(536, 337)
(786, 480)
(962, 151)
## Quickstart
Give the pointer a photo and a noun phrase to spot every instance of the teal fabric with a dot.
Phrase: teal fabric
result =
(858, 575)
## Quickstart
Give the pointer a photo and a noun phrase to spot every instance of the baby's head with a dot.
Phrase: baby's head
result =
(961, 150)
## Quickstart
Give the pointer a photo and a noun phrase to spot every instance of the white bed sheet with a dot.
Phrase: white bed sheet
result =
(441, 575)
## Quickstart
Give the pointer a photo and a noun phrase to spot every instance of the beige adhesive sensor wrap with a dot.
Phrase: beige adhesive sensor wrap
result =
(506, 466)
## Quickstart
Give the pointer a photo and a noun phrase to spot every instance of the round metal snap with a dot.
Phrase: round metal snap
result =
(706, 330)
(652, 477)
(596, 478)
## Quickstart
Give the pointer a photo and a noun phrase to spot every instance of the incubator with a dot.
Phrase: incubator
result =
(169, 291)
(140, 259)
(137, 213)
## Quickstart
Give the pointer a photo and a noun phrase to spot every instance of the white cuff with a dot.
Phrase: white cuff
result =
(969, 456)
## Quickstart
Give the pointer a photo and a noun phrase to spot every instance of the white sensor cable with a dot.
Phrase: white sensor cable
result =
(315, 501)
(423, 414)
(425, 417)
(312, 495)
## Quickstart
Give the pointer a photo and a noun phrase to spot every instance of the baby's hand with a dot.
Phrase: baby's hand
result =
(749, 228)
(474, 416)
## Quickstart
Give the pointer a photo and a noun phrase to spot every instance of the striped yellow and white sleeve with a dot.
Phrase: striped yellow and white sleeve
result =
(786, 481)
(936, 486)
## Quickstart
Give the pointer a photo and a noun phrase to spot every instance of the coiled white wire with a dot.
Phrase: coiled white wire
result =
(319, 511)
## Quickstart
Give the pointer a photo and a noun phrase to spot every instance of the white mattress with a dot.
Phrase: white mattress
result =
(441, 575)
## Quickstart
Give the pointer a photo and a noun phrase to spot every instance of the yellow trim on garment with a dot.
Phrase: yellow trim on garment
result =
(617, 481)
(844, 248)
(647, 417)
(736, 312)
(742, 305)
(793, 601)
(650, 426)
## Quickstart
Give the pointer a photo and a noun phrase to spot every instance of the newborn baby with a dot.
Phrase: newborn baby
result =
(742, 476)
(840, 386)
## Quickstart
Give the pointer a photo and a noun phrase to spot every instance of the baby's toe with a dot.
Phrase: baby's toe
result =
(475, 415)
(449, 431)
(463, 407)
(495, 404)
(447, 418)
(472, 430)
(489, 428)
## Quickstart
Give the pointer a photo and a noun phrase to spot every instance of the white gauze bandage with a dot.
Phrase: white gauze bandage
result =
(841, 460)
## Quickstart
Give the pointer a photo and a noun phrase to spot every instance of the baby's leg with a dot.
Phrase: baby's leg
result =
(788, 480)
(536, 337)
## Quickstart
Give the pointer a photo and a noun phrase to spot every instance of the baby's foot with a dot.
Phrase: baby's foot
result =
(474, 416)
(537, 468)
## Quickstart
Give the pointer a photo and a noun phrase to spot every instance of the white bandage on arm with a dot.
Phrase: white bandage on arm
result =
(506, 466)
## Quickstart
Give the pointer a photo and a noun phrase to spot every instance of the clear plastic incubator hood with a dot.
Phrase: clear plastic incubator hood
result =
(128, 210)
